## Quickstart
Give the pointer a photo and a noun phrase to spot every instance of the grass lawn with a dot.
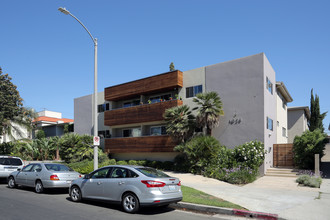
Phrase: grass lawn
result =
(195, 196)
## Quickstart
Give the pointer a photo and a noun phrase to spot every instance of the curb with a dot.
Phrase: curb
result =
(224, 211)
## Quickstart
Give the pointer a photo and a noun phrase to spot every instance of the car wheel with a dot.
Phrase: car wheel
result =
(11, 182)
(75, 194)
(39, 188)
(130, 203)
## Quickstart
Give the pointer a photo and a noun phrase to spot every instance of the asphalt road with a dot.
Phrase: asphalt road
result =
(25, 204)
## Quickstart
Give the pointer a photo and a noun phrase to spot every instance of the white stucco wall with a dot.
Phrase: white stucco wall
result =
(282, 120)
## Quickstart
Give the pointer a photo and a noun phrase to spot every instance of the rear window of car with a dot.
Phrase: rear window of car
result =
(57, 167)
(151, 172)
(11, 161)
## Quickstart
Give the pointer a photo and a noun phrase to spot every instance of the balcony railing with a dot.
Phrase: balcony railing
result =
(162, 143)
(139, 114)
(158, 83)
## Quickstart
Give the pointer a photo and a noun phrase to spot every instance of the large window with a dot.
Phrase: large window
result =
(103, 107)
(193, 91)
(269, 85)
(105, 134)
(132, 132)
(158, 130)
(269, 124)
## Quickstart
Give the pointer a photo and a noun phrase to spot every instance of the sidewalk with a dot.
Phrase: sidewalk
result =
(276, 195)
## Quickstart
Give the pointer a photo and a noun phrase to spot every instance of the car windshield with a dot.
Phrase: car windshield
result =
(10, 161)
(151, 172)
(57, 167)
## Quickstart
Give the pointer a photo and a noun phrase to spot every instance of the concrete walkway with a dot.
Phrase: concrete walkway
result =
(276, 195)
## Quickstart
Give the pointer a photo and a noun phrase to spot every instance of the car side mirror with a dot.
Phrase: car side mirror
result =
(19, 169)
(86, 176)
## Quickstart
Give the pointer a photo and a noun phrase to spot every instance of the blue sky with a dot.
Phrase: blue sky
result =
(50, 56)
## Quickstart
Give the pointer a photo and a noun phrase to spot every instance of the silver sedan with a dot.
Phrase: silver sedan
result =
(43, 175)
(131, 186)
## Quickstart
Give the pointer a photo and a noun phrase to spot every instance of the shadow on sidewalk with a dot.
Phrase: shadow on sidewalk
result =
(325, 168)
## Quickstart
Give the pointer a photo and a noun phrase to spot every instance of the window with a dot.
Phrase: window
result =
(269, 124)
(283, 132)
(132, 132)
(36, 168)
(28, 168)
(269, 85)
(158, 130)
(100, 174)
(103, 107)
(193, 91)
(105, 134)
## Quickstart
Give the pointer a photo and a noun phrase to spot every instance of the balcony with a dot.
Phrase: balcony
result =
(161, 143)
(154, 84)
(139, 114)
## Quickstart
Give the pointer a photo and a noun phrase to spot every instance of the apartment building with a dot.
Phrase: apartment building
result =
(131, 114)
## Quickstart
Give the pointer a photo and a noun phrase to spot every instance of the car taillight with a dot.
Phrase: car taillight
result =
(54, 177)
(151, 183)
(179, 184)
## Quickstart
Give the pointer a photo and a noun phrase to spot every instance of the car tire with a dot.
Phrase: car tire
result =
(39, 188)
(11, 182)
(75, 194)
(130, 203)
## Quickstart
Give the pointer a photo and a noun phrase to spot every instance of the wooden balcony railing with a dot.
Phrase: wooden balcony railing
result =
(162, 143)
(139, 114)
(154, 84)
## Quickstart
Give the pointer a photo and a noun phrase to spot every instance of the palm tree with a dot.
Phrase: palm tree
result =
(179, 123)
(209, 109)
(23, 120)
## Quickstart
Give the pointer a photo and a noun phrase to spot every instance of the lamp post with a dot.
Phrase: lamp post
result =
(95, 123)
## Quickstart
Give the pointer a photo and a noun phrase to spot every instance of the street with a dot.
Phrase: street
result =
(24, 203)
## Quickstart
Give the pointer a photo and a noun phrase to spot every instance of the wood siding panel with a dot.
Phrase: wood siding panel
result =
(139, 114)
(283, 155)
(139, 144)
(153, 84)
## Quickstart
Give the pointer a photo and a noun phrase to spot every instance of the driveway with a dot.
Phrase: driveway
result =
(276, 195)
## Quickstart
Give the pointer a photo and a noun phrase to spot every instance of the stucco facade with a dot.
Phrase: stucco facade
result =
(297, 121)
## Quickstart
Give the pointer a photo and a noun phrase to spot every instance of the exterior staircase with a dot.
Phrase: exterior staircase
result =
(281, 172)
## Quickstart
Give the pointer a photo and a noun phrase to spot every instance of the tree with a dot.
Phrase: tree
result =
(316, 120)
(209, 109)
(306, 146)
(11, 102)
(180, 123)
(172, 68)
(13, 116)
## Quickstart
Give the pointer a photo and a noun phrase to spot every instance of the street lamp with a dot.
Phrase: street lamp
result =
(66, 12)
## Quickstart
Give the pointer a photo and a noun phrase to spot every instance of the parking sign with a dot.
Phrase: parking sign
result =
(96, 141)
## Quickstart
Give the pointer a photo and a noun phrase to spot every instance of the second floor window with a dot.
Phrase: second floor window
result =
(104, 107)
(193, 91)
(158, 130)
(132, 132)
(283, 131)
(269, 124)
(269, 85)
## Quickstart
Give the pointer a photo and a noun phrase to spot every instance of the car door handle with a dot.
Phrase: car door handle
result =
(121, 183)
(99, 183)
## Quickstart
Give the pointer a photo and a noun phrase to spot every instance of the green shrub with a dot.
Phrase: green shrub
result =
(250, 154)
(122, 162)
(310, 181)
(306, 146)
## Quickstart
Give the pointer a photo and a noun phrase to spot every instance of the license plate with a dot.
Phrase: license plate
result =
(171, 187)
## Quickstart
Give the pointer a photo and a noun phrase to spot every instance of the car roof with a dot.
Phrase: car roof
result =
(7, 156)
(125, 166)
